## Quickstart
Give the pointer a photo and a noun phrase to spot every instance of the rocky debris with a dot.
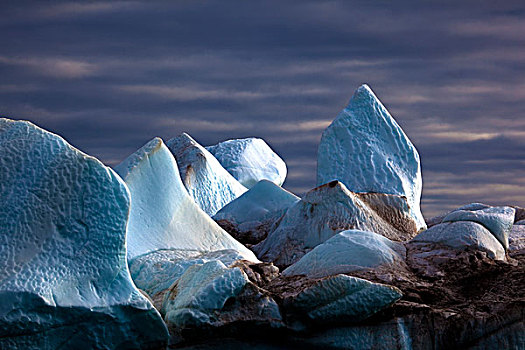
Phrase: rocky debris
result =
(367, 150)
(250, 217)
(250, 160)
(519, 215)
(349, 251)
(477, 303)
(391, 208)
(212, 296)
(163, 215)
(64, 282)
(322, 213)
(207, 182)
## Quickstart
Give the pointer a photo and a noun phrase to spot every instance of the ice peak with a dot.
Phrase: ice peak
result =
(364, 94)
(136, 158)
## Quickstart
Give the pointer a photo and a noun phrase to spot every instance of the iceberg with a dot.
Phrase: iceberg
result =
(319, 215)
(208, 183)
(348, 251)
(367, 150)
(162, 214)
(250, 217)
(463, 235)
(342, 298)
(250, 160)
(64, 281)
(498, 220)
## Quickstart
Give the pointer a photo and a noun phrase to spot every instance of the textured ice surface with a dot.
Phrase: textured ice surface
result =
(210, 185)
(319, 215)
(252, 214)
(344, 298)
(348, 251)
(498, 220)
(158, 270)
(64, 280)
(463, 235)
(250, 161)
(200, 292)
(367, 150)
(163, 215)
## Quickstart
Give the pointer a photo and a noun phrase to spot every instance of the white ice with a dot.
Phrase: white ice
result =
(163, 215)
(250, 160)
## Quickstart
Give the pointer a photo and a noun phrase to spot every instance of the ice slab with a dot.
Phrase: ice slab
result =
(163, 215)
(463, 235)
(319, 215)
(250, 160)
(201, 292)
(348, 251)
(210, 185)
(64, 281)
(157, 271)
(343, 298)
(251, 216)
(498, 220)
(367, 150)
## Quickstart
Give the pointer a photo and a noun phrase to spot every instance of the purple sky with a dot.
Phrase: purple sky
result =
(109, 76)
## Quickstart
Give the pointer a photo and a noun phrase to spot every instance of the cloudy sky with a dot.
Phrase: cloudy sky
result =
(109, 76)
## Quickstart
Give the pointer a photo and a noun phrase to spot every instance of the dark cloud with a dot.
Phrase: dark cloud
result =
(109, 76)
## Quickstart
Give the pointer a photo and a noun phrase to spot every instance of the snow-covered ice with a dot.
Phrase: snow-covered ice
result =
(210, 185)
(250, 160)
(252, 214)
(498, 220)
(64, 280)
(367, 150)
(163, 215)
(348, 251)
(319, 215)
(463, 235)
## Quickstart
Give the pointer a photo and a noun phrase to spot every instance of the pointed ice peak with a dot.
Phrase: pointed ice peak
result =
(210, 185)
(366, 149)
(362, 92)
(162, 213)
(136, 158)
(364, 97)
(334, 190)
